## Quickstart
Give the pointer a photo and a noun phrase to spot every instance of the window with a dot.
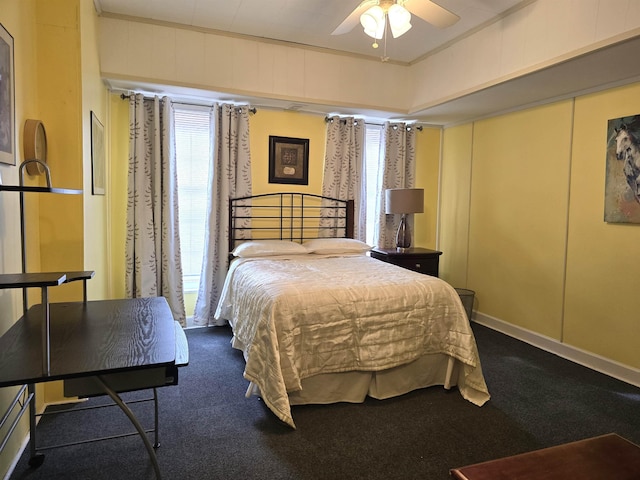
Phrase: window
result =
(372, 162)
(193, 130)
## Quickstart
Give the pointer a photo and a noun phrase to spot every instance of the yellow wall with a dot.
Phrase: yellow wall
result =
(286, 124)
(117, 192)
(94, 99)
(519, 193)
(601, 306)
(539, 255)
(427, 177)
(455, 191)
(59, 105)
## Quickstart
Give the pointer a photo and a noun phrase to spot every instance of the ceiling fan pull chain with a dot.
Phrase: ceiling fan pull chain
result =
(384, 57)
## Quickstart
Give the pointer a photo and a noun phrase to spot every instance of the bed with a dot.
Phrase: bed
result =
(319, 321)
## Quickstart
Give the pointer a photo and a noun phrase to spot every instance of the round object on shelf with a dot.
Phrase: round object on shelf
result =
(35, 145)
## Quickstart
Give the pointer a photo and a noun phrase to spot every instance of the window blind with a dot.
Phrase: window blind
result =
(372, 169)
(193, 131)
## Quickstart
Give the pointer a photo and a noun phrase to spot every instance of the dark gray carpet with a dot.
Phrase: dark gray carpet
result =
(209, 430)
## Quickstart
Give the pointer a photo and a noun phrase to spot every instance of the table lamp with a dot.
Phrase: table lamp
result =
(404, 201)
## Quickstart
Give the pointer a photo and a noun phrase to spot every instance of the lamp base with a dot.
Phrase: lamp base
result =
(403, 236)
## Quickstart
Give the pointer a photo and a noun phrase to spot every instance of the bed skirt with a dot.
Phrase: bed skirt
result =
(354, 387)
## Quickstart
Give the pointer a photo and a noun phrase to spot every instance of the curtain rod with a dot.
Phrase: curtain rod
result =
(252, 110)
(395, 125)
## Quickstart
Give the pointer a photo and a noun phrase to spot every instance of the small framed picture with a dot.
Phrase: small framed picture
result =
(97, 156)
(288, 160)
(7, 99)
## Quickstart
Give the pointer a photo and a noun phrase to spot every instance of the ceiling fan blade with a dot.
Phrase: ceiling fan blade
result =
(431, 12)
(354, 17)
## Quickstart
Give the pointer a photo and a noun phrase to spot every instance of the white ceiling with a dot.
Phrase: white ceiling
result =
(311, 22)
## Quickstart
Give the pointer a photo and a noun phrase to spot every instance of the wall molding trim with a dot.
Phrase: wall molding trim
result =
(587, 359)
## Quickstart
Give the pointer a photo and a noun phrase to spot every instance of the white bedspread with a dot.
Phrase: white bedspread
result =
(295, 317)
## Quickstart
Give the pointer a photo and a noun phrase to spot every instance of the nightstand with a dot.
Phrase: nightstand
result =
(420, 260)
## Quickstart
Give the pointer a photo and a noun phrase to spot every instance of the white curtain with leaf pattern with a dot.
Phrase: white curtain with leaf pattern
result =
(343, 176)
(152, 247)
(398, 171)
(229, 177)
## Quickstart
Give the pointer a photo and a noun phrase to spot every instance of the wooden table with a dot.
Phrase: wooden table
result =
(98, 340)
(607, 456)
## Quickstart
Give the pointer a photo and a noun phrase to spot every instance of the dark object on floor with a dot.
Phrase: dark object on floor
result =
(607, 456)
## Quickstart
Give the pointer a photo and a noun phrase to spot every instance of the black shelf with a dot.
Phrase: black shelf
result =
(26, 188)
(24, 280)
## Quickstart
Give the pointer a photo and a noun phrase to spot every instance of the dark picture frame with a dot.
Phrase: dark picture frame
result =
(288, 160)
(97, 156)
(7, 99)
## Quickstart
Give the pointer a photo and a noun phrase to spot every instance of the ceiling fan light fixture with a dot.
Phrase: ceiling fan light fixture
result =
(373, 21)
(399, 20)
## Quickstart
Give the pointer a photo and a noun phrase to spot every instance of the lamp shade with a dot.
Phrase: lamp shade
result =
(373, 21)
(404, 200)
(399, 20)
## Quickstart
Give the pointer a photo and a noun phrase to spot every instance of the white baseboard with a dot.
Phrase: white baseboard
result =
(590, 360)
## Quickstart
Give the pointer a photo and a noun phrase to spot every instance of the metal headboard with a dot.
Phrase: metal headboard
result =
(288, 216)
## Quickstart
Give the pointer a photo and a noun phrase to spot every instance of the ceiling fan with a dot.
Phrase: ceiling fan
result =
(373, 15)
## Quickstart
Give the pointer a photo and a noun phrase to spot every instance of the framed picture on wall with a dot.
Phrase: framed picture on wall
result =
(7, 99)
(97, 156)
(622, 187)
(288, 160)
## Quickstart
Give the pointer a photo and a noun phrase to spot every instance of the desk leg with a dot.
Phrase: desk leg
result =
(35, 458)
(46, 333)
(116, 398)
(155, 415)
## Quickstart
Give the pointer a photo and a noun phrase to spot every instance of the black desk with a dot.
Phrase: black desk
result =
(102, 340)
(89, 339)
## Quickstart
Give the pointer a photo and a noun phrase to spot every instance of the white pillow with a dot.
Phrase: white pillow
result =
(335, 245)
(265, 248)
